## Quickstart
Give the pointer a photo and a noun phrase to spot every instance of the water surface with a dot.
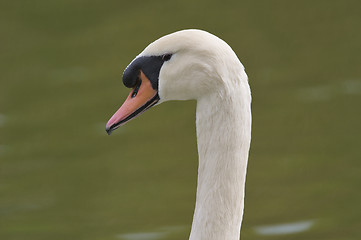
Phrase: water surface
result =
(62, 177)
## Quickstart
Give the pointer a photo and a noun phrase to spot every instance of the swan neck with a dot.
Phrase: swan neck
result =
(223, 139)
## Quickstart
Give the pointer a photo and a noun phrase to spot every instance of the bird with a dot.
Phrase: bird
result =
(195, 64)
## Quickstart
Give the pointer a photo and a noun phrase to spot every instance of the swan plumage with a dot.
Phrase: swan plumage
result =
(194, 64)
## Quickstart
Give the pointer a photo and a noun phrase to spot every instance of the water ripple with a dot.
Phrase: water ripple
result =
(329, 91)
(142, 236)
(160, 234)
(286, 228)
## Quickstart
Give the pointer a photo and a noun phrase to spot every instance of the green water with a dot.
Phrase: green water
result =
(62, 177)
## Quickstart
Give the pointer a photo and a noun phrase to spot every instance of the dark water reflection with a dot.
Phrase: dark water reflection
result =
(62, 177)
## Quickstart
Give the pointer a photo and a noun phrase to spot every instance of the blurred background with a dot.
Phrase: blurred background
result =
(62, 177)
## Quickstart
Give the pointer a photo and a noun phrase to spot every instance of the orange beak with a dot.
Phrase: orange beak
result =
(140, 99)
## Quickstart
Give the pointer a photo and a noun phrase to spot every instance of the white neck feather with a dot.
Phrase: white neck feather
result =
(224, 134)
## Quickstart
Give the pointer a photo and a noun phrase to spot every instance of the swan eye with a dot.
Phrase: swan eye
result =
(136, 88)
(166, 57)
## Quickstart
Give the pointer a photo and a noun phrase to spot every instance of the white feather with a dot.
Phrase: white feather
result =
(205, 68)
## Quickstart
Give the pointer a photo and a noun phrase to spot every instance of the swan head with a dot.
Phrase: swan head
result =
(184, 65)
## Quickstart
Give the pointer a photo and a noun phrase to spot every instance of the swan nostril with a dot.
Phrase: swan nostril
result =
(136, 88)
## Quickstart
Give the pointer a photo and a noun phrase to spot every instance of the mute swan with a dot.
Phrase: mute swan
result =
(194, 64)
